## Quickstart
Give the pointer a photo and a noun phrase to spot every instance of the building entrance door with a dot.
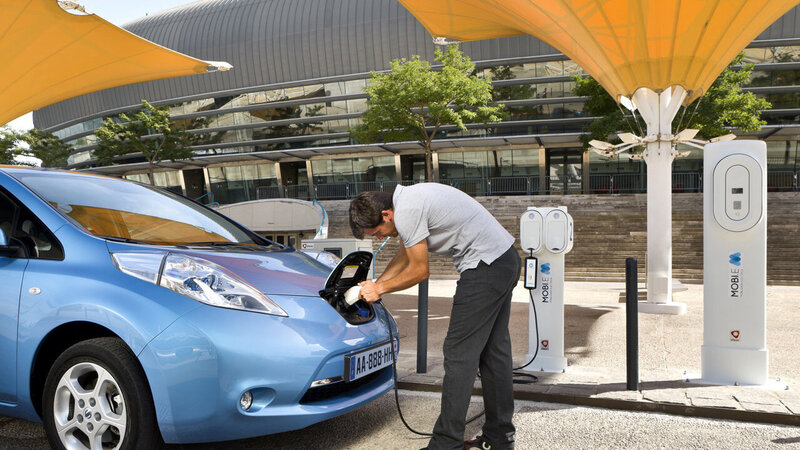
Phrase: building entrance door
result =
(412, 167)
(295, 180)
(563, 170)
(195, 182)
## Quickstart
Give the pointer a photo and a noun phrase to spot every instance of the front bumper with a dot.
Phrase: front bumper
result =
(199, 367)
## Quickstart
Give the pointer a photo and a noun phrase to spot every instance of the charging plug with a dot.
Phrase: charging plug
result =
(351, 295)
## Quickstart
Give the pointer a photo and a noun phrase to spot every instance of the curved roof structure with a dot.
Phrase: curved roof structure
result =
(624, 44)
(71, 54)
(277, 214)
(277, 41)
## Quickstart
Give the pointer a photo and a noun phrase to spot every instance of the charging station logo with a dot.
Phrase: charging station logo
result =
(735, 274)
(736, 258)
(545, 344)
(735, 335)
(545, 289)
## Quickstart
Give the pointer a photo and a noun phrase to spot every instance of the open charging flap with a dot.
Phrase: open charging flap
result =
(351, 270)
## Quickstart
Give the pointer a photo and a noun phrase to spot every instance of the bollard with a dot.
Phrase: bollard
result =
(422, 327)
(632, 322)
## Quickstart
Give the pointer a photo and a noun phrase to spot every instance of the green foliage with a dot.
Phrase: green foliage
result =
(147, 132)
(599, 104)
(412, 101)
(726, 105)
(723, 105)
(8, 146)
(46, 147)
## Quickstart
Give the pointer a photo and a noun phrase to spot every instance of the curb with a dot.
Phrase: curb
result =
(628, 405)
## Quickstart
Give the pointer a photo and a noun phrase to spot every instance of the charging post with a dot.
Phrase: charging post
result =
(734, 263)
(632, 323)
(422, 327)
(546, 235)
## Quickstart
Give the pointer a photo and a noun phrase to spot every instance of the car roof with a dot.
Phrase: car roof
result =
(16, 169)
(11, 168)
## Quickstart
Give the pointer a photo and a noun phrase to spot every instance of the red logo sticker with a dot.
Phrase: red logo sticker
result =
(735, 334)
(545, 343)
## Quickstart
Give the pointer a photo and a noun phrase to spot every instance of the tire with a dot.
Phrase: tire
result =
(96, 397)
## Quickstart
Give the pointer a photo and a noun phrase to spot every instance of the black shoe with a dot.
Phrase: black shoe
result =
(480, 442)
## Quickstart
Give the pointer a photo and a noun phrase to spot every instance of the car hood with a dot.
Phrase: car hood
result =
(283, 272)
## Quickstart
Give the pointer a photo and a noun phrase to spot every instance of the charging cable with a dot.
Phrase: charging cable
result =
(394, 374)
(517, 373)
(517, 370)
(375, 254)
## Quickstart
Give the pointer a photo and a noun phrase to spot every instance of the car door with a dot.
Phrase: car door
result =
(12, 268)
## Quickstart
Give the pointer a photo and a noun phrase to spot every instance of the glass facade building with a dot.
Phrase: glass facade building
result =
(264, 131)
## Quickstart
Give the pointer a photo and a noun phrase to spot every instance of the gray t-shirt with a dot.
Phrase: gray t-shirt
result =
(452, 222)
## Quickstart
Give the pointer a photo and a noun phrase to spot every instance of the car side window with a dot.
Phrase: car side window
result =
(22, 226)
(8, 211)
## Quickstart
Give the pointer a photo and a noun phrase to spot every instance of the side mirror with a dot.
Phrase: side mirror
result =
(7, 249)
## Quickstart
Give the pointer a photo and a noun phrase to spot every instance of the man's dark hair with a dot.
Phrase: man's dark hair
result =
(365, 211)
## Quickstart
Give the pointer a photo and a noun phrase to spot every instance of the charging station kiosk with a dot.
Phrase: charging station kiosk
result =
(734, 263)
(546, 235)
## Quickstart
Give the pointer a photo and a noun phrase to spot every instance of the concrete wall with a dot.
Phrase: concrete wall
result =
(610, 228)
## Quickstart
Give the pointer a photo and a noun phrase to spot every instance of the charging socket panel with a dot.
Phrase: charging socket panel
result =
(531, 266)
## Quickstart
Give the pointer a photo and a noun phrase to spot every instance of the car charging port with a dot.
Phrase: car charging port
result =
(350, 271)
(357, 313)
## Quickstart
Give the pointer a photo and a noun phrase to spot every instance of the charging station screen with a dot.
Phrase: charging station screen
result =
(737, 191)
(531, 265)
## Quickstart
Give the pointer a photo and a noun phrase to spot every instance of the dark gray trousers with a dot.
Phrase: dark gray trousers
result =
(478, 337)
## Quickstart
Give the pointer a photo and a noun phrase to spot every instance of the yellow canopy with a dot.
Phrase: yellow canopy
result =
(49, 55)
(623, 44)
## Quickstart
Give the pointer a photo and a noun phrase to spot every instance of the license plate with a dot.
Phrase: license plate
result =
(367, 362)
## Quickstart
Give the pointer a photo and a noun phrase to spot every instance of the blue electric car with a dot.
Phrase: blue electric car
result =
(131, 316)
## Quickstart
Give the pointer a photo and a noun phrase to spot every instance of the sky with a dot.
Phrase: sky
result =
(117, 12)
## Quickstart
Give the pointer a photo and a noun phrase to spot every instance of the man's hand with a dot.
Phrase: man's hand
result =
(369, 291)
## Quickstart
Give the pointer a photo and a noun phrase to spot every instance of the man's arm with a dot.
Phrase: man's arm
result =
(415, 271)
(396, 265)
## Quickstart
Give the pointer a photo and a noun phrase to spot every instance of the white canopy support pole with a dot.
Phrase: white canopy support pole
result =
(658, 110)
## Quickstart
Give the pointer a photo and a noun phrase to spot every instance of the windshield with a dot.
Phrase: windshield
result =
(125, 210)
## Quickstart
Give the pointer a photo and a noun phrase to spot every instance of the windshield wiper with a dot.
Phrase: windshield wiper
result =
(122, 239)
(209, 244)
(252, 246)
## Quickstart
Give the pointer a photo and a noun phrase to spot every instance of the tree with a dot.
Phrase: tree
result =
(412, 101)
(147, 132)
(723, 105)
(8, 146)
(46, 147)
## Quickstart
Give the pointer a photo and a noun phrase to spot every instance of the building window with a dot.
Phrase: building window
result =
(366, 169)
(233, 184)
(489, 164)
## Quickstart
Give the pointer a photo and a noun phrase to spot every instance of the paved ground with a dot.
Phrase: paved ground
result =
(595, 347)
(539, 425)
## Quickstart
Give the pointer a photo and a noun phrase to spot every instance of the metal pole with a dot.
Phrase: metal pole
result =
(632, 322)
(422, 328)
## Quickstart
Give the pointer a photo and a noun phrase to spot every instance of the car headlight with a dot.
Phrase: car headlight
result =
(197, 279)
